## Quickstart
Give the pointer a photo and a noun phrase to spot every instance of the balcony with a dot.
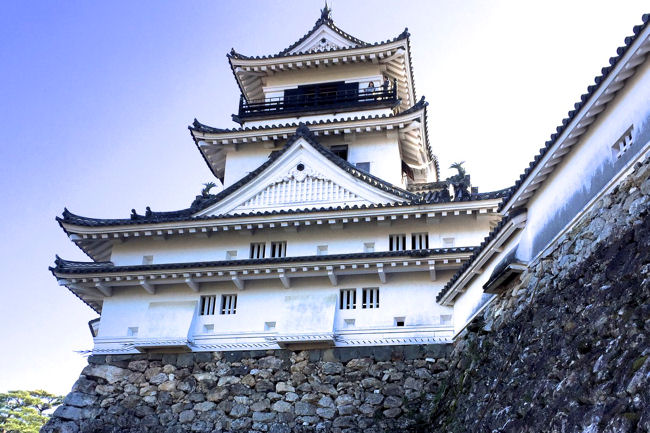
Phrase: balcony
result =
(319, 100)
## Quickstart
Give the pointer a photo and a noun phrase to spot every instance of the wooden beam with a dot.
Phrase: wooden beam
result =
(432, 270)
(105, 289)
(239, 283)
(147, 286)
(332, 276)
(192, 284)
(381, 273)
(286, 281)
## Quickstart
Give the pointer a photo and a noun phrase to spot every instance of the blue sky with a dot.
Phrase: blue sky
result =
(95, 99)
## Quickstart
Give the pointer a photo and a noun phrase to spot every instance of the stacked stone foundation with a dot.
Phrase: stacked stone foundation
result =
(370, 389)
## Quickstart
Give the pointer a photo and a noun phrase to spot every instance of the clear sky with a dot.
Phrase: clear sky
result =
(95, 99)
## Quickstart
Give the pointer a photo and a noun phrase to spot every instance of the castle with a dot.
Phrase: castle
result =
(332, 227)
(319, 287)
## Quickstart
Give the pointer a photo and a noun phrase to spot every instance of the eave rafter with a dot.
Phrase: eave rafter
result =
(92, 286)
(250, 72)
(101, 239)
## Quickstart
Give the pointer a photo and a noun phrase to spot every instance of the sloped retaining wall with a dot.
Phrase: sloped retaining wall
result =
(568, 351)
(369, 389)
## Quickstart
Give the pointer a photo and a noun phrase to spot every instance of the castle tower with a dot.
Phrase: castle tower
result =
(331, 228)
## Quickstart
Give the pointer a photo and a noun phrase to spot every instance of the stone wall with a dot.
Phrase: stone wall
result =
(369, 389)
(568, 350)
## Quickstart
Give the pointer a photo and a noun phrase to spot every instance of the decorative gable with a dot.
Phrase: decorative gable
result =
(304, 175)
(307, 187)
(323, 39)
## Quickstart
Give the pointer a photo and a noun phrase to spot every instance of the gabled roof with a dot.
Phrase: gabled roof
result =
(198, 131)
(578, 106)
(202, 203)
(509, 205)
(326, 20)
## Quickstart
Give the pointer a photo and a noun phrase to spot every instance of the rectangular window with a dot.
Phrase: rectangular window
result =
(420, 241)
(257, 250)
(369, 247)
(228, 304)
(448, 242)
(278, 249)
(364, 166)
(370, 298)
(341, 151)
(397, 242)
(348, 299)
(399, 321)
(208, 305)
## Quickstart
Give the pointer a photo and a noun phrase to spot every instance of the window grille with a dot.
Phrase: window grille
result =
(208, 305)
(420, 241)
(397, 242)
(348, 299)
(370, 298)
(622, 144)
(257, 250)
(228, 304)
(278, 249)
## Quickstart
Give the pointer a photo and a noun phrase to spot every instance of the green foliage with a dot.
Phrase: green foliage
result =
(25, 411)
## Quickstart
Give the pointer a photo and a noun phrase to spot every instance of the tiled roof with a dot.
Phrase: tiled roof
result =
(63, 266)
(329, 23)
(421, 104)
(200, 127)
(547, 146)
(620, 51)
(476, 252)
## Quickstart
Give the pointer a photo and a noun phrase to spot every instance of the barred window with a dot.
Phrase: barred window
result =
(257, 250)
(419, 241)
(208, 304)
(370, 298)
(279, 249)
(397, 242)
(348, 299)
(228, 304)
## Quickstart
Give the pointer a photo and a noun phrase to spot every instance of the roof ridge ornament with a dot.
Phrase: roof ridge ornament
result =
(326, 13)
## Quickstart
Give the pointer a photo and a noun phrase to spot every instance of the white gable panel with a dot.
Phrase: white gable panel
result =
(301, 178)
(332, 40)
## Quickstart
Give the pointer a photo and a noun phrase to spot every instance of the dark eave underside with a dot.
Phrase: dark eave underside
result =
(65, 267)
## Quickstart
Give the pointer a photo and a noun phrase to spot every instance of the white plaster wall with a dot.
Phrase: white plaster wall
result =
(580, 166)
(380, 149)
(409, 295)
(468, 230)
(472, 299)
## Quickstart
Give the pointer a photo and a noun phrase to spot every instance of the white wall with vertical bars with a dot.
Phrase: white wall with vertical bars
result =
(228, 304)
